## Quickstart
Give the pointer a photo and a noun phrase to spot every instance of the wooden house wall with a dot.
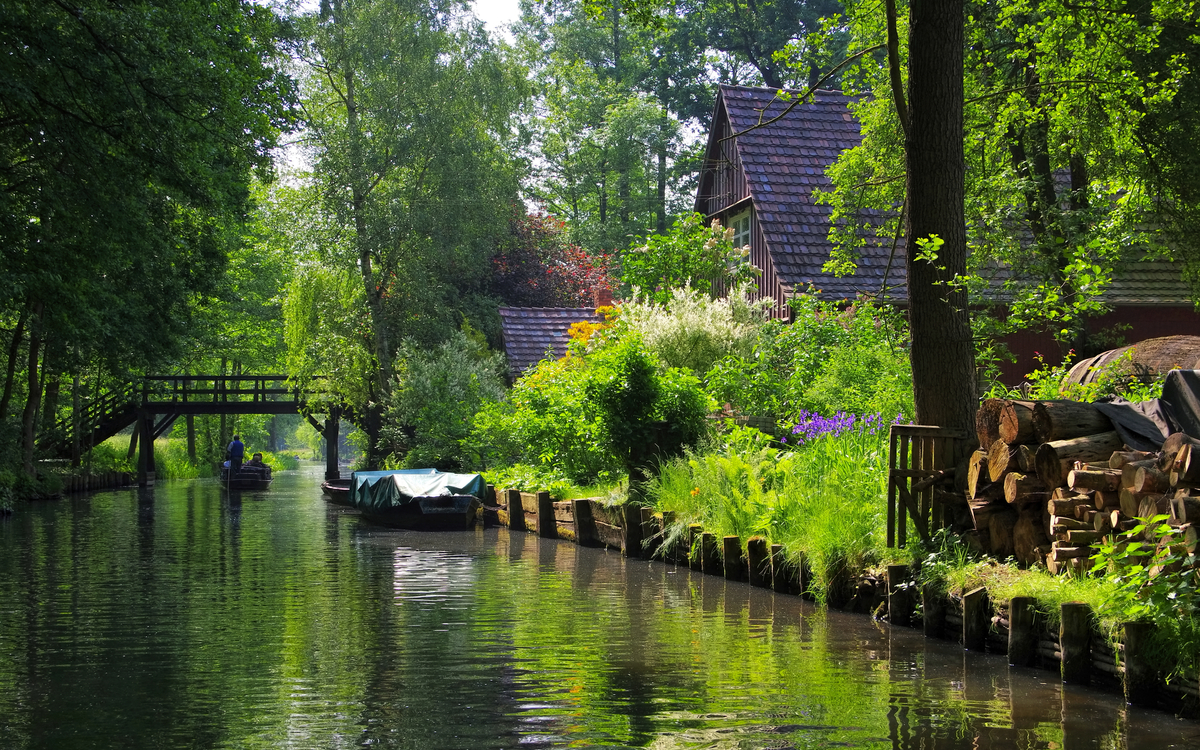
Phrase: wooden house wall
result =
(722, 186)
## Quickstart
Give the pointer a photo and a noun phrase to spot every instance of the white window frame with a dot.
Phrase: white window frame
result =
(741, 224)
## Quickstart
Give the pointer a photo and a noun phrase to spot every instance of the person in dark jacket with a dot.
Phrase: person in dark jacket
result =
(236, 453)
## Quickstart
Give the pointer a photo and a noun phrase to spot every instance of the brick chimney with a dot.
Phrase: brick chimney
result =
(602, 296)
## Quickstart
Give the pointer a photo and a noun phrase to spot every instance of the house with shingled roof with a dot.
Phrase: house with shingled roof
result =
(762, 185)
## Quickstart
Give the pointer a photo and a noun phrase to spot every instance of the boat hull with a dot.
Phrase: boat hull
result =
(337, 491)
(441, 513)
(245, 480)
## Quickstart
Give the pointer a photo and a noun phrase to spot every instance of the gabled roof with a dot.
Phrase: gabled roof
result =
(784, 162)
(533, 333)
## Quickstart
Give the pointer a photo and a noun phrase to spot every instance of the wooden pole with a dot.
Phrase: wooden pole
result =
(651, 539)
(546, 527)
(1022, 631)
(757, 563)
(732, 554)
(332, 423)
(516, 512)
(695, 546)
(975, 619)
(585, 522)
(899, 601)
(933, 611)
(1075, 639)
(1140, 680)
(710, 561)
(779, 573)
(146, 453)
(631, 530)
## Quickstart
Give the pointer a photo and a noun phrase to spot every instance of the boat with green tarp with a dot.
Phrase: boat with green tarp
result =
(420, 499)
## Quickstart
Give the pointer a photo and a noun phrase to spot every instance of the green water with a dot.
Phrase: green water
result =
(179, 618)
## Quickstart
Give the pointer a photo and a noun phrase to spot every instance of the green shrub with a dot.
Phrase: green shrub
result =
(830, 359)
(1116, 378)
(435, 399)
(544, 423)
(691, 254)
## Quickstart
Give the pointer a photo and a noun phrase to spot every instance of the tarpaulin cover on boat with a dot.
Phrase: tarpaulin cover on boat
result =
(387, 489)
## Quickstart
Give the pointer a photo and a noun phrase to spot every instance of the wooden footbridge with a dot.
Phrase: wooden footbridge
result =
(155, 402)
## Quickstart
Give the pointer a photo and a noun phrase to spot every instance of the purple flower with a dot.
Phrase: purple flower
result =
(812, 425)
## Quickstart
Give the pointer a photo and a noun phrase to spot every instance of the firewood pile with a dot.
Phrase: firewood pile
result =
(1053, 478)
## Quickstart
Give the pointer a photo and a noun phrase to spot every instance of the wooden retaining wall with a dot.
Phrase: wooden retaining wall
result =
(1015, 628)
(104, 480)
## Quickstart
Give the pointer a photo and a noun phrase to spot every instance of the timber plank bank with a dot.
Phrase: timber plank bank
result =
(1075, 649)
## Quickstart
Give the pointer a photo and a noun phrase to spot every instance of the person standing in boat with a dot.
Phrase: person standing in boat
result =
(236, 452)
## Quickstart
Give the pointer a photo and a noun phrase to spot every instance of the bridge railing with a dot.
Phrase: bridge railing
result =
(192, 389)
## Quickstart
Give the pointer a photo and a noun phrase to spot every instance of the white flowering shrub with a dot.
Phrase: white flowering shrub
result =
(693, 331)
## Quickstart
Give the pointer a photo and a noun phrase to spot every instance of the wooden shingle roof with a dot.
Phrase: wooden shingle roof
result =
(532, 334)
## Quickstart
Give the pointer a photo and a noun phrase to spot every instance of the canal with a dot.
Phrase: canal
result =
(178, 617)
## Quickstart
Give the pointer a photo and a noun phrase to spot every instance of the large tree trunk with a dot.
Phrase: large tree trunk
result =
(34, 398)
(14, 348)
(943, 358)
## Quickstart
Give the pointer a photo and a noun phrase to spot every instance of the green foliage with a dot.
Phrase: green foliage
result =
(601, 411)
(1154, 580)
(544, 423)
(690, 255)
(108, 456)
(1116, 378)
(435, 398)
(824, 500)
(829, 359)
(531, 478)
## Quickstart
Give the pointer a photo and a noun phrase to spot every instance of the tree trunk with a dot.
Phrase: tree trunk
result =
(14, 348)
(943, 358)
(1020, 489)
(34, 397)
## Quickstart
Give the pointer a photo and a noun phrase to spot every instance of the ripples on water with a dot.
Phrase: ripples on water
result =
(179, 618)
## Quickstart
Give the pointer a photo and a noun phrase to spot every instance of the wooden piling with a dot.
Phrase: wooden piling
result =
(651, 536)
(1140, 680)
(899, 601)
(976, 619)
(732, 554)
(585, 522)
(516, 512)
(758, 565)
(631, 530)
(779, 571)
(1022, 631)
(695, 551)
(710, 560)
(546, 526)
(1075, 639)
(933, 611)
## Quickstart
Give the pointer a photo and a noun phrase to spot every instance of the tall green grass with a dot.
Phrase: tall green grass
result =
(824, 500)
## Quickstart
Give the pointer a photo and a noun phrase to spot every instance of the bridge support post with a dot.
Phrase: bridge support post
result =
(145, 428)
(331, 444)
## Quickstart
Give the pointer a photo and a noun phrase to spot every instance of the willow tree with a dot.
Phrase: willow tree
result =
(410, 115)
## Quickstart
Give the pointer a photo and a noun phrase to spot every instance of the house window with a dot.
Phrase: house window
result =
(741, 228)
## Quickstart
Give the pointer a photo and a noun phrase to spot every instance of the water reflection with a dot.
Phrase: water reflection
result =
(185, 617)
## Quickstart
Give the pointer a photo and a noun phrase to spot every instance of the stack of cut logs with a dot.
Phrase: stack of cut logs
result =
(1052, 478)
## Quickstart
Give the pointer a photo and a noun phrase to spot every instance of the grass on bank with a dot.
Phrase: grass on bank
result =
(824, 500)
